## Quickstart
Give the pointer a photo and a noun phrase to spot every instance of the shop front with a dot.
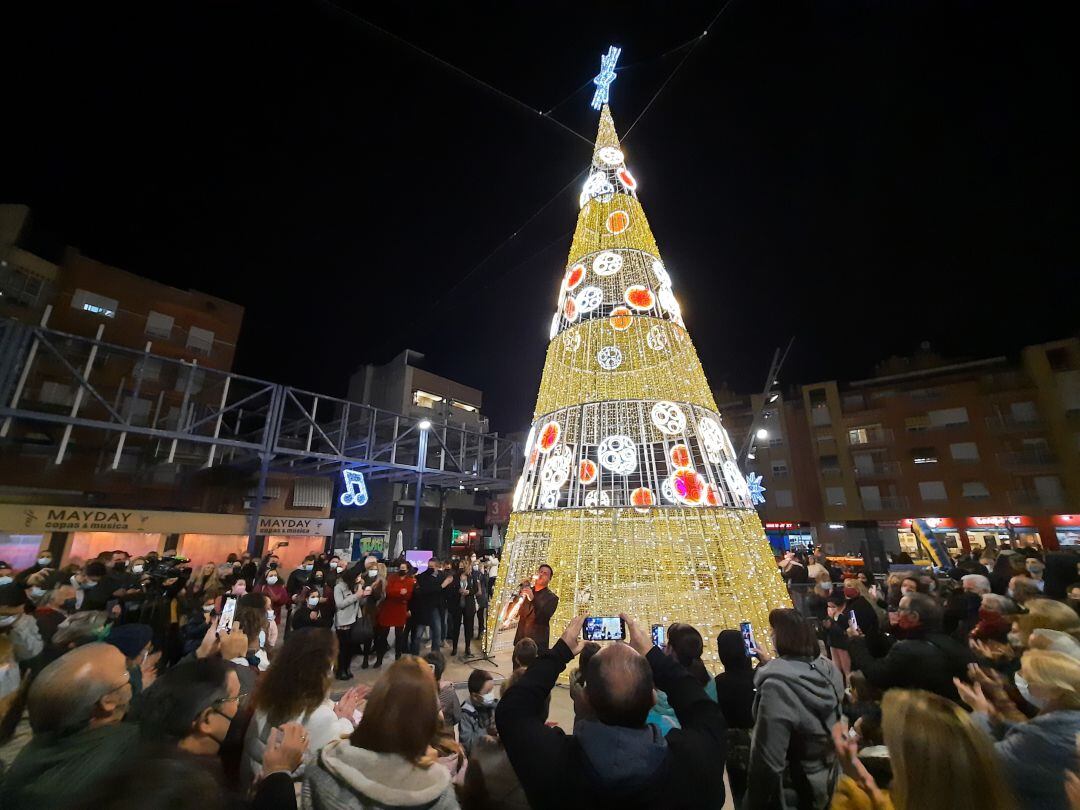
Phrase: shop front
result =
(948, 530)
(789, 536)
(1067, 530)
(991, 531)
(77, 534)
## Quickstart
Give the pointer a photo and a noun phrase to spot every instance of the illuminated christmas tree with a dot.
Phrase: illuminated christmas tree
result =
(631, 490)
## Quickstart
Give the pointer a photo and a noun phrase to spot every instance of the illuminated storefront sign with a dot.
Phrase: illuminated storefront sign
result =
(781, 526)
(38, 518)
(999, 520)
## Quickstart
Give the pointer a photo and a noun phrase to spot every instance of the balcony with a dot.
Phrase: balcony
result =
(867, 437)
(831, 472)
(1003, 422)
(1027, 498)
(1005, 382)
(888, 503)
(1036, 457)
(884, 469)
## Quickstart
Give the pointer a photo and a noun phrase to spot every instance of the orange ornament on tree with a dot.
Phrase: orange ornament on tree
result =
(570, 309)
(642, 496)
(620, 319)
(549, 436)
(574, 276)
(712, 497)
(639, 297)
(689, 486)
(618, 221)
(587, 471)
(680, 457)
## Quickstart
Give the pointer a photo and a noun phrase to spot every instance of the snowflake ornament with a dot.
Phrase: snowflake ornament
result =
(661, 273)
(549, 499)
(755, 488)
(736, 483)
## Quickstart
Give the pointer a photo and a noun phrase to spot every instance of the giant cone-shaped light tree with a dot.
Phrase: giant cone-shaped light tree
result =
(631, 490)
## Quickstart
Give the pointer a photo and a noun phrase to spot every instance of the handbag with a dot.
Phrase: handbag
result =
(362, 631)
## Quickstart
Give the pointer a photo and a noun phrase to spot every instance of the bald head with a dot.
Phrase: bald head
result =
(88, 686)
(619, 686)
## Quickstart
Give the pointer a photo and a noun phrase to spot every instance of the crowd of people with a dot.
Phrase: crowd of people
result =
(138, 682)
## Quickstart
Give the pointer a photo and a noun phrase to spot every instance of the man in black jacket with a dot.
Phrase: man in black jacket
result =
(925, 658)
(426, 605)
(616, 759)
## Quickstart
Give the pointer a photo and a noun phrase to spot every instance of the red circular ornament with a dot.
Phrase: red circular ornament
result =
(680, 457)
(549, 436)
(618, 221)
(639, 297)
(570, 309)
(620, 319)
(587, 471)
(689, 486)
(642, 496)
(574, 276)
(627, 179)
(712, 496)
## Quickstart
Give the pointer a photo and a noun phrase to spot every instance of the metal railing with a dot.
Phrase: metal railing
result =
(864, 437)
(1034, 457)
(887, 503)
(1007, 422)
(884, 469)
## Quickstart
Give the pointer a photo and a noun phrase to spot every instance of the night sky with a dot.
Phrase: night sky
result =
(863, 175)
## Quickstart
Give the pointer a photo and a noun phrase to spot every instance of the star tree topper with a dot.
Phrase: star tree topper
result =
(605, 77)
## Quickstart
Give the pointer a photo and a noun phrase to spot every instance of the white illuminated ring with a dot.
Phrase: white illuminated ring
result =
(668, 302)
(668, 491)
(572, 341)
(609, 358)
(556, 470)
(597, 497)
(610, 156)
(549, 499)
(661, 273)
(618, 454)
(554, 326)
(668, 418)
(607, 263)
(656, 339)
(589, 299)
(712, 439)
(596, 186)
(736, 483)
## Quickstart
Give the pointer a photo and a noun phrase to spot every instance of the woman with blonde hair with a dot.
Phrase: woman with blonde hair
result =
(940, 759)
(1035, 754)
(205, 584)
(387, 761)
(1044, 614)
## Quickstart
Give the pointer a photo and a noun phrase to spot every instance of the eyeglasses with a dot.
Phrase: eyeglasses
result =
(240, 696)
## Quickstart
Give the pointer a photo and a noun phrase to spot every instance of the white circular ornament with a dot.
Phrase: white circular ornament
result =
(609, 358)
(589, 299)
(597, 497)
(668, 302)
(657, 338)
(554, 326)
(736, 483)
(661, 273)
(668, 491)
(607, 263)
(610, 156)
(549, 499)
(596, 186)
(712, 438)
(668, 418)
(618, 454)
(556, 470)
(572, 342)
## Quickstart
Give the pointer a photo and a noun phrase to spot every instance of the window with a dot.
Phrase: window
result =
(97, 304)
(423, 399)
(54, 393)
(782, 498)
(948, 417)
(964, 451)
(149, 369)
(1068, 383)
(464, 406)
(1023, 412)
(18, 287)
(924, 455)
(194, 375)
(312, 493)
(819, 416)
(871, 497)
(159, 325)
(974, 490)
(200, 340)
(865, 434)
(932, 490)
(1049, 490)
(830, 465)
(916, 424)
(853, 402)
(835, 496)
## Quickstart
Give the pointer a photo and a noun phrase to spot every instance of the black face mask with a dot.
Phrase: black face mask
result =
(68, 606)
(403, 572)
(119, 566)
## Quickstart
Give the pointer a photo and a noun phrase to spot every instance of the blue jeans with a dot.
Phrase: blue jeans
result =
(433, 620)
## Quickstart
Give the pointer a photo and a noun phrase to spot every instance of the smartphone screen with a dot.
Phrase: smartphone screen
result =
(747, 631)
(853, 623)
(603, 628)
(659, 635)
(227, 614)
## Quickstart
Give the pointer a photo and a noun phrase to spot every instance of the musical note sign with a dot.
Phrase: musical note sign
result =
(605, 77)
(355, 493)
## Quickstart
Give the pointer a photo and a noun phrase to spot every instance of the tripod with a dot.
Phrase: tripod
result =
(484, 654)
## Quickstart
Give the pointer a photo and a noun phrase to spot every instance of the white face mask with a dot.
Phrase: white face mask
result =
(270, 615)
(1025, 692)
(36, 592)
(906, 591)
(372, 572)
(308, 566)
(489, 698)
(207, 608)
(44, 561)
(313, 601)
(271, 580)
(5, 580)
(262, 639)
(137, 569)
(340, 569)
(7, 621)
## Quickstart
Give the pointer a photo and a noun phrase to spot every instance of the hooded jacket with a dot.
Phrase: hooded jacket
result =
(792, 761)
(604, 766)
(347, 778)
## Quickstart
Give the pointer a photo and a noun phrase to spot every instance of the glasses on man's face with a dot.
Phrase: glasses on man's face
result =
(239, 696)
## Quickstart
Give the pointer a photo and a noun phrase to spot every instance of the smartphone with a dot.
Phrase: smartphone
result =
(227, 614)
(853, 623)
(747, 630)
(603, 628)
(659, 635)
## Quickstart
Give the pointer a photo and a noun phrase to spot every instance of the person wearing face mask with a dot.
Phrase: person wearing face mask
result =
(191, 710)
(298, 578)
(98, 587)
(18, 626)
(273, 588)
(427, 604)
(76, 705)
(52, 609)
(925, 658)
(373, 583)
(44, 563)
(461, 604)
(394, 613)
(198, 622)
(1034, 754)
(478, 710)
(7, 573)
(314, 609)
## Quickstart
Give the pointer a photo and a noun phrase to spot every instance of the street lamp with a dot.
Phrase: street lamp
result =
(424, 425)
(762, 434)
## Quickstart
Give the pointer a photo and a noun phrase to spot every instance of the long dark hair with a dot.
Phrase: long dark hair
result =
(298, 680)
(686, 642)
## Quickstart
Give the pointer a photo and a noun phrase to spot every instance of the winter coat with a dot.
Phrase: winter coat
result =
(25, 638)
(792, 760)
(1035, 756)
(279, 599)
(349, 778)
(603, 766)
(395, 607)
(449, 703)
(474, 723)
(348, 604)
(535, 616)
(322, 726)
(929, 662)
